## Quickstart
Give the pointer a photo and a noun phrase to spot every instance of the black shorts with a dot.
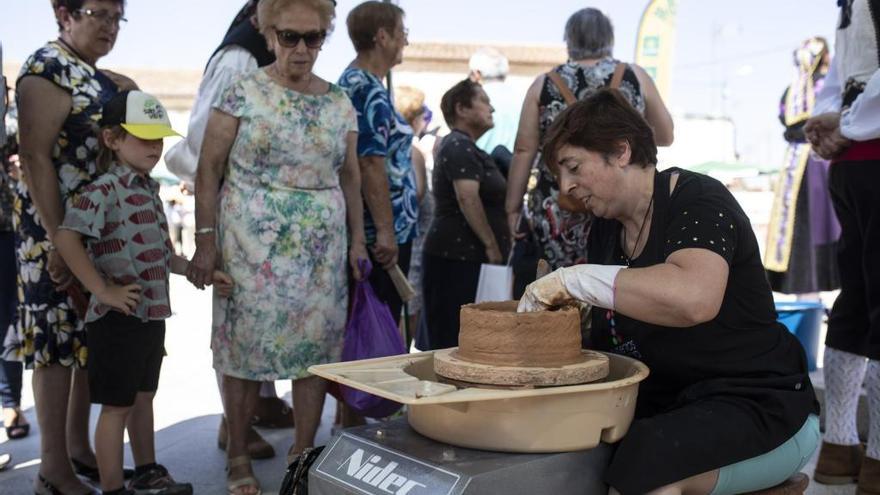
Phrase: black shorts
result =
(125, 356)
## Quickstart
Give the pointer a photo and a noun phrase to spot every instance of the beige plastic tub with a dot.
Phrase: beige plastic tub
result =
(555, 419)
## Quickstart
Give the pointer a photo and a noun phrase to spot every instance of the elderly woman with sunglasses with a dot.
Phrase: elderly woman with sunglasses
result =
(59, 93)
(282, 142)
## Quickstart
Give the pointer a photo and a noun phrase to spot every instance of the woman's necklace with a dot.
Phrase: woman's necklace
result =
(609, 315)
(628, 258)
(287, 83)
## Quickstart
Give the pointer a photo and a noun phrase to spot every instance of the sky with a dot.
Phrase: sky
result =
(732, 57)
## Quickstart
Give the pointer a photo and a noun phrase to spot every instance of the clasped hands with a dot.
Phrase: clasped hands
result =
(202, 269)
(823, 133)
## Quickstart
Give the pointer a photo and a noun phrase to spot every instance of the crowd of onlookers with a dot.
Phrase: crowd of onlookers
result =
(297, 180)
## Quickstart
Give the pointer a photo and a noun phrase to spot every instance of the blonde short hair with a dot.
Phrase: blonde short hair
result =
(410, 102)
(268, 10)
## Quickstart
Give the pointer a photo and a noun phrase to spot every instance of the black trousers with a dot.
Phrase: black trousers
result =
(382, 284)
(10, 371)
(448, 284)
(854, 325)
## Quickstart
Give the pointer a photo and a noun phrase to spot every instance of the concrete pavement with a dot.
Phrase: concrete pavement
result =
(188, 408)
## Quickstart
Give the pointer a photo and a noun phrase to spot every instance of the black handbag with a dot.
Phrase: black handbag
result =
(296, 480)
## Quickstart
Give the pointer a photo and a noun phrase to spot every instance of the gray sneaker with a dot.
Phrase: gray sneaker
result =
(157, 481)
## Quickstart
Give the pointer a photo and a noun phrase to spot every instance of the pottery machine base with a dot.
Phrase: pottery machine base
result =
(392, 458)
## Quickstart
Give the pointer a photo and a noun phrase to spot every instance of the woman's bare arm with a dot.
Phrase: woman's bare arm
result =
(219, 137)
(685, 290)
(524, 151)
(43, 108)
(656, 112)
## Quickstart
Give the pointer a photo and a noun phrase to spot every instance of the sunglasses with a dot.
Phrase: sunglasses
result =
(290, 39)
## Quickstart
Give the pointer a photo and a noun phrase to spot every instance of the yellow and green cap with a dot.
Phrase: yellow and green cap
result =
(139, 113)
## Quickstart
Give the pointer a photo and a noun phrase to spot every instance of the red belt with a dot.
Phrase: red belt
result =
(860, 151)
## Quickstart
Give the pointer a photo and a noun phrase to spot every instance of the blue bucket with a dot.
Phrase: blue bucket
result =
(804, 320)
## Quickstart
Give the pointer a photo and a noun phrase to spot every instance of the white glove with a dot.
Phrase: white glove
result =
(591, 284)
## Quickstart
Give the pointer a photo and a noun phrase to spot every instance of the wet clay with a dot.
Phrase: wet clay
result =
(494, 333)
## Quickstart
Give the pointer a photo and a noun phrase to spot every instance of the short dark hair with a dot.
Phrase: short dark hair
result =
(365, 20)
(462, 93)
(598, 123)
(72, 5)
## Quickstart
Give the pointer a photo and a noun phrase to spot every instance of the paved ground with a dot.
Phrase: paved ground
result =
(187, 410)
(187, 414)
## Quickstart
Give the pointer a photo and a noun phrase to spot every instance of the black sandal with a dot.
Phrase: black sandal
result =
(92, 473)
(44, 487)
(272, 412)
(17, 429)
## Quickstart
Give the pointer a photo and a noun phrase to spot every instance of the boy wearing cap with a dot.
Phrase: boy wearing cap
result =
(125, 264)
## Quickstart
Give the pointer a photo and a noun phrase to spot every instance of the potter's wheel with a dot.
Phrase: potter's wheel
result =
(391, 458)
(591, 366)
(555, 419)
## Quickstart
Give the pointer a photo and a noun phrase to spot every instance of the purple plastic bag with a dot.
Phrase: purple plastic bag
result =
(370, 333)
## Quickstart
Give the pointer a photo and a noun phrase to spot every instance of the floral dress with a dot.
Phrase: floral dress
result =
(46, 329)
(282, 231)
(562, 235)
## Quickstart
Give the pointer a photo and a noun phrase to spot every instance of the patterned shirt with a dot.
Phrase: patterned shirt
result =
(382, 131)
(122, 218)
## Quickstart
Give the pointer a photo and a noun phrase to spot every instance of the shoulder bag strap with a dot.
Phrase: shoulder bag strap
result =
(619, 69)
(567, 95)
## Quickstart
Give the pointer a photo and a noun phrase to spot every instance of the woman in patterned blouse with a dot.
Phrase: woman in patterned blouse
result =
(379, 35)
(560, 230)
(60, 93)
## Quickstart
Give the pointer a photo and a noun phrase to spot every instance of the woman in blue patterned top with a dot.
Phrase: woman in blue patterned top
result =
(60, 93)
(384, 142)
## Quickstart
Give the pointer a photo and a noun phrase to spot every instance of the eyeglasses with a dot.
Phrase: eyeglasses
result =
(103, 16)
(290, 39)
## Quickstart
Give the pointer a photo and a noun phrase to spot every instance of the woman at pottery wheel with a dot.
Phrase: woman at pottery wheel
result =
(677, 282)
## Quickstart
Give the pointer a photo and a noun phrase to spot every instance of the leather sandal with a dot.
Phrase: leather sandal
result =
(17, 429)
(257, 446)
(91, 472)
(272, 412)
(45, 487)
(232, 486)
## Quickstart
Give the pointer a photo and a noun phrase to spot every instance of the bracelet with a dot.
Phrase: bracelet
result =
(205, 230)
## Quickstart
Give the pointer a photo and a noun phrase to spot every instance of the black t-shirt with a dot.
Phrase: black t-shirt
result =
(743, 353)
(450, 236)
